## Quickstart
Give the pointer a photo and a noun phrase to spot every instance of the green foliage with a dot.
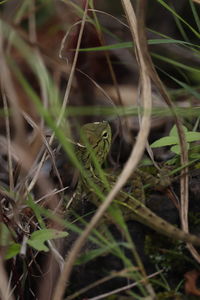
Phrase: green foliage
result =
(92, 254)
(124, 45)
(109, 244)
(169, 295)
(5, 236)
(39, 237)
(176, 15)
(194, 218)
(3, 1)
(7, 242)
(173, 139)
(13, 250)
(36, 240)
(168, 255)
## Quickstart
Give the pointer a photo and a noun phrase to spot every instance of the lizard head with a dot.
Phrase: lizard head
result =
(98, 137)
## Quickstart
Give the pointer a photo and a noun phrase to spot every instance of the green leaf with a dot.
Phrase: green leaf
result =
(3, 1)
(39, 237)
(172, 161)
(174, 132)
(173, 139)
(5, 237)
(126, 45)
(89, 255)
(176, 148)
(179, 17)
(117, 215)
(13, 250)
(192, 136)
(165, 141)
(175, 63)
(195, 155)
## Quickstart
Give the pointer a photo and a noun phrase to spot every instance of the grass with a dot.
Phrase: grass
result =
(40, 117)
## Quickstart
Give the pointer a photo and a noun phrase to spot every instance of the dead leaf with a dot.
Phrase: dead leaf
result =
(190, 282)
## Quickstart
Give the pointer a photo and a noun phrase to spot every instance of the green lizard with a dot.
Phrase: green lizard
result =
(95, 143)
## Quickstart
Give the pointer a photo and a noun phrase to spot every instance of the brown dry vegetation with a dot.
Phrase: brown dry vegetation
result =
(143, 77)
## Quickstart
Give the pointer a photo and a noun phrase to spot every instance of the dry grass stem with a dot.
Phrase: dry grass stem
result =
(5, 291)
(122, 273)
(110, 16)
(10, 164)
(108, 60)
(99, 88)
(124, 288)
(8, 86)
(71, 75)
(37, 143)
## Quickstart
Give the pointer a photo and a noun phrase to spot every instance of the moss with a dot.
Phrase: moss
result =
(194, 219)
(169, 295)
(168, 255)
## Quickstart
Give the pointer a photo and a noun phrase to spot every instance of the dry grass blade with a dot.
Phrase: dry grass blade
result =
(110, 16)
(108, 60)
(5, 292)
(37, 142)
(122, 273)
(72, 71)
(131, 163)
(8, 87)
(10, 165)
(124, 288)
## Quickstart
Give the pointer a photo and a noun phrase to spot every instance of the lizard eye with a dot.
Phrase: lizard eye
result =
(104, 134)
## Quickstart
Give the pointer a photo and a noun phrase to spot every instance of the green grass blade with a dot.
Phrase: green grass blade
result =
(179, 17)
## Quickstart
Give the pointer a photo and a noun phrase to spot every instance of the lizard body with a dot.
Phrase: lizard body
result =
(96, 140)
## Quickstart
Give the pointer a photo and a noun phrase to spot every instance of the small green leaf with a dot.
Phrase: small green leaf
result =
(165, 141)
(39, 237)
(173, 139)
(13, 250)
(195, 155)
(176, 149)
(117, 215)
(192, 136)
(5, 236)
(172, 161)
(174, 132)
(89, 255)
